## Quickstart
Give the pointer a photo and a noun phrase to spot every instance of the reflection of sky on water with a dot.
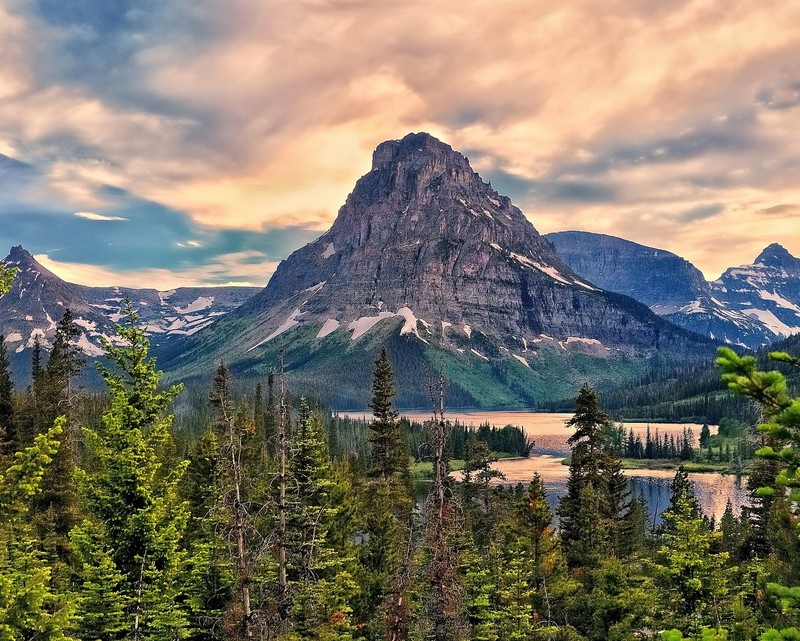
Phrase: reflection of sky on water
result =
(712, 490)
(550, 435)
(547, 429)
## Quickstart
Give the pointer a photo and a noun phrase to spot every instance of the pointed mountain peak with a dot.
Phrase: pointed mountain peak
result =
(22, 259)
(775, 254)
(19, 254)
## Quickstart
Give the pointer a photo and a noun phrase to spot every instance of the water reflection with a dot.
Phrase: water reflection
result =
(550, 435)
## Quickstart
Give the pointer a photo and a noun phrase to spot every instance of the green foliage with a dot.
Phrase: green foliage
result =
(7, 275)
(691, 577)
(592, 510)
(29, 606)
(8, 433)
(388, 451)
(131, 539)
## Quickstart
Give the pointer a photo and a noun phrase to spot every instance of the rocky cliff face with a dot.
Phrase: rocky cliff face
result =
(750, 306)
(38, 298)
(425, 244)
(423, 237)
(660, 279)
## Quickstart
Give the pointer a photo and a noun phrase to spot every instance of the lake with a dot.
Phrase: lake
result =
(550, 436)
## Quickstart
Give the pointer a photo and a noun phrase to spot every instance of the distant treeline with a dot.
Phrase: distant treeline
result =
(348, 438)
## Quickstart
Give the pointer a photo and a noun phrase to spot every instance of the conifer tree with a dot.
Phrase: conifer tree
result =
(233, 505)
(30, 608)
(8, 433)
(691, 578)
(592, 508)
(56, 509)
(634, 527)
(133, 566)
(781, 428)
(321, 584)
(388, 454)
(56, 392)
(548, 570)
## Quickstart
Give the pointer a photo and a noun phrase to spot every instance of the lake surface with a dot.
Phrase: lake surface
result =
(550, 437)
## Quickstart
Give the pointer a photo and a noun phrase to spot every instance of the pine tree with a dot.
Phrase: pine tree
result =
(388, 455)
(321, 584)
(8, 433)
(232, 502)
(56, 391)
(30, 608)
(591, 510)
(691, 578)
(547, 564)
(56, 509)
(131, 541)
(781, 428)
(634, 527)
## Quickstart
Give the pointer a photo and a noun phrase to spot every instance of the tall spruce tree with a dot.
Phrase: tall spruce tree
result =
(133, 565)
(690, 576)
(56, 508)
(388, 455)
(8, 432)
(386, 507)
(592, 509)
(234, 509)
(319, 575)
(30, 606)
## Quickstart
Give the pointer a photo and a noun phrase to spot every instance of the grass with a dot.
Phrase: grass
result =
(672, 464)
(423, 470)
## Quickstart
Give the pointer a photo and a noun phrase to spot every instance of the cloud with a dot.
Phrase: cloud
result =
(237, 269)
(88, 215)
(191, 118)
(781, 210)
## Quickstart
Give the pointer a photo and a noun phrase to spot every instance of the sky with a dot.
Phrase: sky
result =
(157, 144)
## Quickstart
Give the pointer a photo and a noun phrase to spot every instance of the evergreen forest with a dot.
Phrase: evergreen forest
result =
(272, 519)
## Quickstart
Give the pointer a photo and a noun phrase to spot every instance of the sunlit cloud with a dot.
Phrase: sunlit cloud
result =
(671, 123)
(229, 269)
(88, 215)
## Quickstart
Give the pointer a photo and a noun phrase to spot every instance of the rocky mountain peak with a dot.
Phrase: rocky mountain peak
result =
(776, 255)
(422, 189)
(416, 151)
(22, 259)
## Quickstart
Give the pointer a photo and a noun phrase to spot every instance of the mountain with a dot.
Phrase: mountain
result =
(768, 291)
(38, 298)
(427, 256)
(749, 306)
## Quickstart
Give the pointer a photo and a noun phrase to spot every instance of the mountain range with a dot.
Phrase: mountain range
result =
(38, 298)
(750, 306)
(426, 256)
(428, 259)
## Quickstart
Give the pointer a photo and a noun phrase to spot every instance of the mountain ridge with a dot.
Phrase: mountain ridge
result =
(38, 299)
(750, 305)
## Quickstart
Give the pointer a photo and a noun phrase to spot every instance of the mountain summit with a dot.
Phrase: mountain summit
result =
(424, 250)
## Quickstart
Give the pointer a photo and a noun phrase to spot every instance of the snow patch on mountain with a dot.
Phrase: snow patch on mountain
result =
(772, 322)
(362, 325)
(201, 303)
(328, 327)
(521, 360)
